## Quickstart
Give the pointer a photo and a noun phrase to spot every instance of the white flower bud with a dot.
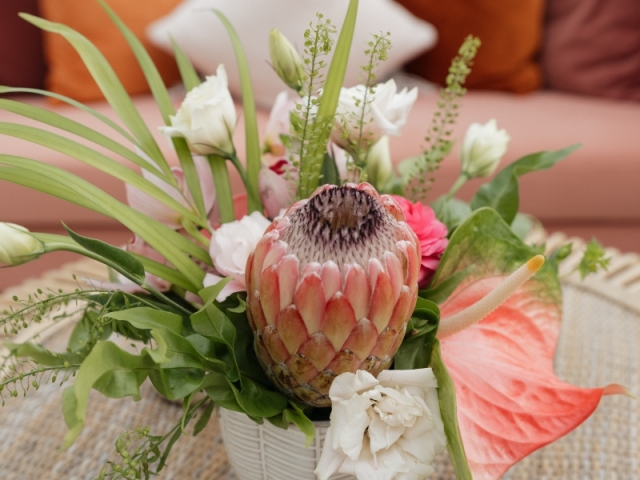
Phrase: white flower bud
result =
(379, 165)
(17, 245)
(207, 117)
(482, 149)
(286, 60)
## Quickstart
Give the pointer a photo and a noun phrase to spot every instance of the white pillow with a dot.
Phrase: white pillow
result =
(205, 41)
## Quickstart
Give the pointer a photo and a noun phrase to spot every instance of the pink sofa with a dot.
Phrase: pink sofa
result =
(595, 191)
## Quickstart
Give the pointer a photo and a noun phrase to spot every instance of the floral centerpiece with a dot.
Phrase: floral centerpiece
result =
(325, 291)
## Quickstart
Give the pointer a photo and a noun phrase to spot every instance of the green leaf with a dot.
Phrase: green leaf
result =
(218, 388)
(561, 253)
(104, 359)
(593, 259)
(190, 77)
(205, 416)
(147, 318)
(448, 410)
(177, 383)
(41, 355)
(502, 193)
(439, 294)
(164, 271)
(114, 254)
(252, 149)
(293, 414)
(163, 459)
(332, 87)
(415, 351)
(522, 225)
(209, 294)
(257, 401)
(110, 86)
(452, 212)
(330, 174)
(70, 187)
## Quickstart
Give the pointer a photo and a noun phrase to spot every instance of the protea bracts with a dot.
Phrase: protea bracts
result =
(331, 286)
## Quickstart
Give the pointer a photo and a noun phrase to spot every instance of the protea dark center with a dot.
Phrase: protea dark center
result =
(331, 287)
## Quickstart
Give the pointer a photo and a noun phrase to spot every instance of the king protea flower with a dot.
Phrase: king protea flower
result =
(331, 286)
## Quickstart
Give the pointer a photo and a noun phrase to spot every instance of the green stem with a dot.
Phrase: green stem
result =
(462, 179)
(54, 246)
(224, 197)
(240, 168)
(195, 233)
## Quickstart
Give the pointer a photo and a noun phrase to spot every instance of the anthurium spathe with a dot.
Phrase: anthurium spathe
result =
(509, 400)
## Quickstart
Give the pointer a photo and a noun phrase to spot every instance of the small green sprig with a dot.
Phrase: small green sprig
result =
(593, 259)
(438, 136)
(377, 52)
(318, 43)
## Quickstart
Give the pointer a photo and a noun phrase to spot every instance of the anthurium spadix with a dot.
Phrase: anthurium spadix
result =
(509, 400)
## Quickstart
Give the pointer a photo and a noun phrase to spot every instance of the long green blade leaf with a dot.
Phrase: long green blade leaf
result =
(110, 86)
(94, 159)
(250, 119)
(167, 242)
(190, 77)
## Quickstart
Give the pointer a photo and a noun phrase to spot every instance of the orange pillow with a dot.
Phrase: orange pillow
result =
(510, 32)
(67, 74)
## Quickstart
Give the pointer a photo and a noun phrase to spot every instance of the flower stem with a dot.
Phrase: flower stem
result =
(462, 179)
(224, 197)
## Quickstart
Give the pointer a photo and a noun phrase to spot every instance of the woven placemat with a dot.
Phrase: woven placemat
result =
(599, 345)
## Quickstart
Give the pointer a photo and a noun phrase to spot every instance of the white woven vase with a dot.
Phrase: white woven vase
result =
(266, 452)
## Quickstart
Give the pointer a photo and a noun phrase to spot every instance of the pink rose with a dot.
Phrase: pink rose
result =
(431, 233)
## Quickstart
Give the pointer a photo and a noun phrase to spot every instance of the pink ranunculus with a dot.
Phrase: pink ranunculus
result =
(431, 233)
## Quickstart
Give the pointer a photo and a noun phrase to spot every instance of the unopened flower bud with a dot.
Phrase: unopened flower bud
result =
(482, 149)
(17, 245)
(379, 165)
(286, 60)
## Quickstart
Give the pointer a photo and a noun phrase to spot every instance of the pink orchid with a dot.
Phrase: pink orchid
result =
(156, 209)
(278, 185)
(431, 233)
(509, 400)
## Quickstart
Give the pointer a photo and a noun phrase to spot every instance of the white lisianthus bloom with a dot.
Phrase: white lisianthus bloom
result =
(17, 245)
(230, 247)
(387, 428)
(207, 117)
(279, 123)
(385, 112)
(482, 149)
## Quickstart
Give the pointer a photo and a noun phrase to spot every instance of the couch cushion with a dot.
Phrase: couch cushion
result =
(196, 29)
(593, 47)
(21, 58)
(67, 74)
(510, 32)
(599, 182)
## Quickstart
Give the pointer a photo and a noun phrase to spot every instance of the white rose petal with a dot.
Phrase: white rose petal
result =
(387, 428)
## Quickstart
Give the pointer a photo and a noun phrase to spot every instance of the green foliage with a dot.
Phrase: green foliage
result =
(502, 193)
(438, 136)
(593, 259)
(415, 351)
(448, 410)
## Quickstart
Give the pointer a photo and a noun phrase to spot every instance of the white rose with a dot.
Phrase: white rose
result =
(482, 149)
(385, 112)
(387, 428)
(231, 245)
(207, 117)
(17, 245)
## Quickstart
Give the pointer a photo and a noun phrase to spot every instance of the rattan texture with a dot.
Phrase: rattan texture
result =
(599, 344)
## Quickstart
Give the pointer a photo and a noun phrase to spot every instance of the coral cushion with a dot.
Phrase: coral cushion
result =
(593, 47)
(67, 74)
(21, 58)
(510, 32)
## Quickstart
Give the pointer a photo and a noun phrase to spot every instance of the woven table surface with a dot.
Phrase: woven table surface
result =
(599, 344)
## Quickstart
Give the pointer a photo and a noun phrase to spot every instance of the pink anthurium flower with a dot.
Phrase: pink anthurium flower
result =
(509, 400)
(154, 208)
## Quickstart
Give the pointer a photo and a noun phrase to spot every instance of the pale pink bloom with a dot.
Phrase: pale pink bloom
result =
(154, 208)
(384, 428)
(279, 123)
(431, 233)
(278, 185)
(231, 245)
(331, 286)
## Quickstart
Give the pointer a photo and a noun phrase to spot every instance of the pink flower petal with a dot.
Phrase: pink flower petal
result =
(510, 401)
